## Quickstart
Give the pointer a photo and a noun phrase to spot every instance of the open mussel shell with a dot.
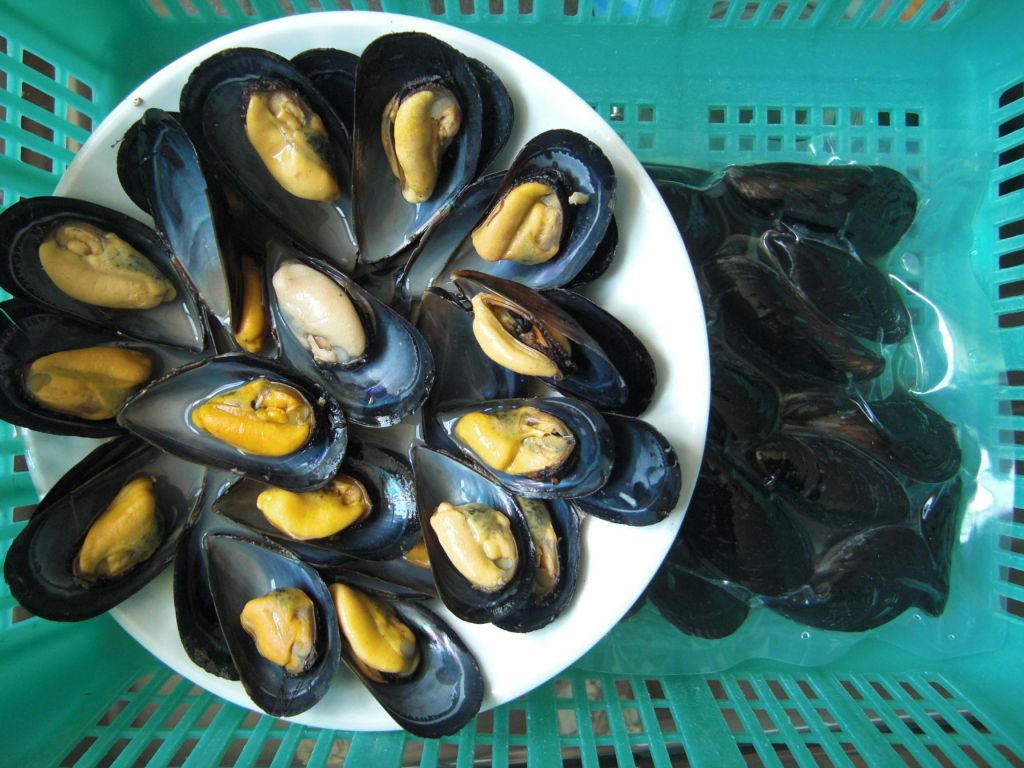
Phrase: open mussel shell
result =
(497, 116)
(396, 579)
(39, 567)
(159, 169)
(463, 373)
(241, 569)
(29, 332)
(389, 382)
(161, 414)
(445, 690)
(540, 610)
(645, 480)
(213, 109)
(591, 374)
(577, 170)
(333, 72)
(865, 581)
(194, 612)
(441, 477)
(391, 66)
(583, 472)
(871, 206)
(628, 355)
(389, 530)
(27, 224)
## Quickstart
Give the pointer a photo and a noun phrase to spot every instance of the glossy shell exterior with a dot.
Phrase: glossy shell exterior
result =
(27, 223)
(160, 413)
(38, 566)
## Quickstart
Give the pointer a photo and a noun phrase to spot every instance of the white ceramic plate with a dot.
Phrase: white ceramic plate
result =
(651, 288)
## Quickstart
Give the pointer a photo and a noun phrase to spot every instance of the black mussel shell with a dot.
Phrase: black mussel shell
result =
(871, 206)
(213, 108)
(464, 374)
(196, 617)
(440, 477)
(865, 581)
(385, 222)
(602, 259)
(396, 579)
(843, 486)
(694, 604)
(445, 690)
(590, 373)
(39, 565)
(940, 522)
(754, 299)
(497, 116)
(698, 213)
(853, 295)
(900, 431)
(584, 472)
(539, 611)
(391, 528)
(646, 478)
(28, 332)
(26, 224)
(161, 412)
(569, 163)
(390, 382)
(628, 355)
(241, 569)
(741, 534)
(159, 169)
(743, 401)
(333, 72)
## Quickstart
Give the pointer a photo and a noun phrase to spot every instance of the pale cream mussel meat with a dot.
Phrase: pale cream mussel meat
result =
(262, 125)
(104, 531)
(477, 538)
(548, 447)
(549, 216)
(61, 376)
(245, 414)
(555, 527)
(525, 331)
(418, 133)
(158, 167)
(366, 511)
(412, 662)
(97, 265)
(365, 354)
(277, 618)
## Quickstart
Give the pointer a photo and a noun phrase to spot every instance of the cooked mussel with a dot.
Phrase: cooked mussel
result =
(245, 414)
(411, 661)
(367, 510)
(333, 72)
(480, 549)
(259, 123)
(97, 265)
(418, 133)
(106, 529)
(365, 354)
(285, 645)
(537, 447)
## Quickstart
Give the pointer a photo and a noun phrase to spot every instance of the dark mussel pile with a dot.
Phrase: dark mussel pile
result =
(826, 494)
(331, 257)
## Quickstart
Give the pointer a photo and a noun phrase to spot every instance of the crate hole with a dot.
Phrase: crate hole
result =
(732, 720)
(779, 11)
(945, 760)
(617, 113)
(746, 115)
(517, 722)
(851, 689)
(525, 7)
(140, 683)
(801, 116)
(624, 690)
(36, 160)
(467, 7)
(645, 113)
(20, 463)
(37, 129)
(884, 118)
(270, 749)
(806, 689)
(19, 614)
(795, 718)
(1013, 607)
(151, 749)
(563, 688)
(1011, 155)
(143, 717)
(909, 722)
(567, 723)
(1005, 129)
(1011, 757)
(485, 722)
(802, 143)
(281, 725)
(829, 116)
(1011, 185)
(774, 143)
(233, 752)
(764, 719)
(183, 752)
(881, 690)
(570, 8)
(856, 116)
(878, 722)
(1012, 229)
(784, 754)
(915, 174)
(885, 146)
(208, 715)
(594, 690)
(218, 7)
(666, 723)
(913, 146)
(973, 721)
(905, 756)
(858, 144)
(746, 143)
(249, 10)
(158, 7)
(718, 690)
(808, 10)
(654, 689)
(718, 10)
(76, 753)
(21, 514)
(1011, 94)
(412, 753)
(912, 119)
(251, 719)
(436, 7)
(716, 115)
(645, 141)
(38, 63)
(748, 690)
(914, 693)
(749, 10)
(175, 717)
(942, 11)
(777, 690)
(631, 719)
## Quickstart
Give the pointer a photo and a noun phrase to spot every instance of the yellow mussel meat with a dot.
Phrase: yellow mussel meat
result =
(525, 226)
(479, 542)
(91, 383)
(416, 129)
(126, 533)
(282, 623)
(512, 340)
(316, 514)
(382, 645)
(519, 441)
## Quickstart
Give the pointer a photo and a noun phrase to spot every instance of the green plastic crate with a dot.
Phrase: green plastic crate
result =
(933, 88)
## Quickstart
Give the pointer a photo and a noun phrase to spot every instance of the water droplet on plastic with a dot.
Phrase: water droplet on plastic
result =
(951, 636)
(805, 635)
(917, 617)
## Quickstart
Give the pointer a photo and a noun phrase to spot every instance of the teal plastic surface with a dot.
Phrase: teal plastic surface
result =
(933, 88)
